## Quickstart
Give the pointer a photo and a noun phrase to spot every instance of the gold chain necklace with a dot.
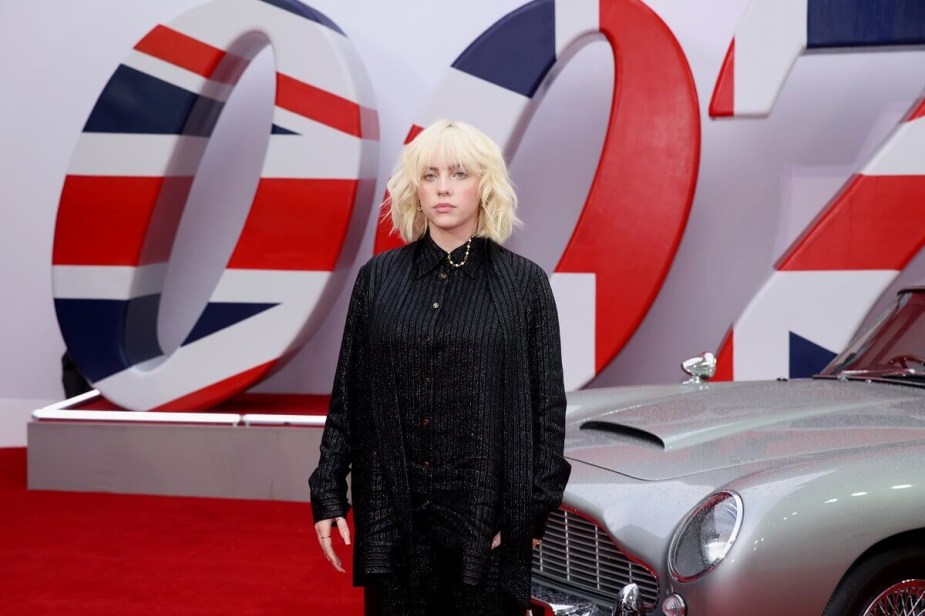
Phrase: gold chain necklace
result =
(449, 257)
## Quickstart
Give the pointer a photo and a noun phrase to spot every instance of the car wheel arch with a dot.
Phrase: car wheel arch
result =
(877, 567)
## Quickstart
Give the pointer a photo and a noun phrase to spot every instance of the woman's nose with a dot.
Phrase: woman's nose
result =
(443, 185)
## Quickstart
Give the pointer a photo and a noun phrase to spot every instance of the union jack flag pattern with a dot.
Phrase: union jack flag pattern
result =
(637, 208)
(825, 283)
(131, 174)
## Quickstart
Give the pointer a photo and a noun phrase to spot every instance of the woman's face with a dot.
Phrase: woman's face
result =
(449, 198)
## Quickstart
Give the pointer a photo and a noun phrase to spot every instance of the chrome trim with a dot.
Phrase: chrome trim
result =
(906, 597)
(680, 608)
(701, 368)
(578, 557)
(629, 602)
(701, 506)
(563, 604)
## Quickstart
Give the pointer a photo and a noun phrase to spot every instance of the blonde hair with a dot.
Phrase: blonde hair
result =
(457, 144)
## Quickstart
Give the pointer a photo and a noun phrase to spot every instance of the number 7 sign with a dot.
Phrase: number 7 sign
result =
(826, 281)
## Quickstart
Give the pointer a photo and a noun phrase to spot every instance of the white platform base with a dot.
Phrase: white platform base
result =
(256, 462)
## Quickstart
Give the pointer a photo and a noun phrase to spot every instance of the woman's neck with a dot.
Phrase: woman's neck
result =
(449, 241)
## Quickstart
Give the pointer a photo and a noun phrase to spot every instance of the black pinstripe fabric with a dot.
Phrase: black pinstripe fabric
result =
(448, 353)
(475, 352)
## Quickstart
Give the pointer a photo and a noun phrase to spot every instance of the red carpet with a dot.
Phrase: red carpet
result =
(79, 553)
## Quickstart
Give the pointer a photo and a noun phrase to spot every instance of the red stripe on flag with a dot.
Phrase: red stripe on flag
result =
(644, 185)
(414, 132)
(721, 105)
(217, 392)
(296, 224)
(243, 403)
(186, 52)
(323, 106)
(917, 111)
(874, 223)
(107, 220)
(286, 404)
(386, 237)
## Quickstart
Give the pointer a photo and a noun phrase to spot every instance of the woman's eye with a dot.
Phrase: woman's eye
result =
(461, 174)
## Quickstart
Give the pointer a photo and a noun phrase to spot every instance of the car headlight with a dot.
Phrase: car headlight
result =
(705, 536)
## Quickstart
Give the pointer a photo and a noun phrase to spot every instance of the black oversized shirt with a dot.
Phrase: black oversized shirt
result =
(448, 349)
(522, 394)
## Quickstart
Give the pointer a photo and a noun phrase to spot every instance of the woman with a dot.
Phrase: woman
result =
(448, 403)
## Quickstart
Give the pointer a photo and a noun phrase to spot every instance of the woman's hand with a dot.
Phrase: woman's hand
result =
(496, 541)
(324, 529)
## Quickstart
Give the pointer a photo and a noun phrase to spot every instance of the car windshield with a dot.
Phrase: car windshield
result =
(893, 347)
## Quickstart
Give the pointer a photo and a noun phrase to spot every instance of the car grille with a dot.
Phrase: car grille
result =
(579, 558)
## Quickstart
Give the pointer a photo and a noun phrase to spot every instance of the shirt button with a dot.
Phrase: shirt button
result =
(442, 275)
(425, 422)
(427, 380)
(425, 338)
(425, 465)
(436, 305)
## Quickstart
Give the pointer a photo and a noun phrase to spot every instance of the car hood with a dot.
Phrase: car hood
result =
(664, 432)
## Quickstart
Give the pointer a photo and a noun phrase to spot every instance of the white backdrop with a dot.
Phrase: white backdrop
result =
(761, 181)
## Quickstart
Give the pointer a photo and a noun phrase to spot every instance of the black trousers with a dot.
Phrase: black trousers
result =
(439, 592)
(392, 597)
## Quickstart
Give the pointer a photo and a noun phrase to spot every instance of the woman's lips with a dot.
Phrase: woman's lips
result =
(443, 208)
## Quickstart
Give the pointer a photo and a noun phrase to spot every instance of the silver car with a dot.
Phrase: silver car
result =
(750, 498)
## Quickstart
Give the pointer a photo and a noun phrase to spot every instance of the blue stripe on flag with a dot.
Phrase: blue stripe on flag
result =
(95, 333)
(857, 23)
(218, 315)
(517, 51)
(141, 342)
(305, 11)
(135, 102)
(279, 130)
(806, 357)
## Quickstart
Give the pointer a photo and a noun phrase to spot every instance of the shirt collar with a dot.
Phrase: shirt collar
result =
(429, 255)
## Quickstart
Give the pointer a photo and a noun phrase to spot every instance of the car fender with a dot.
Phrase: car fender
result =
(839, 505)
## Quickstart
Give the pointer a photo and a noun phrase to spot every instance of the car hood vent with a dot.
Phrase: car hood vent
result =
(628, 432)
(663, 432)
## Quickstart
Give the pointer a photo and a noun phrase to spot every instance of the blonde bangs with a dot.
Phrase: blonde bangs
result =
(446, 146)
(464, 146)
